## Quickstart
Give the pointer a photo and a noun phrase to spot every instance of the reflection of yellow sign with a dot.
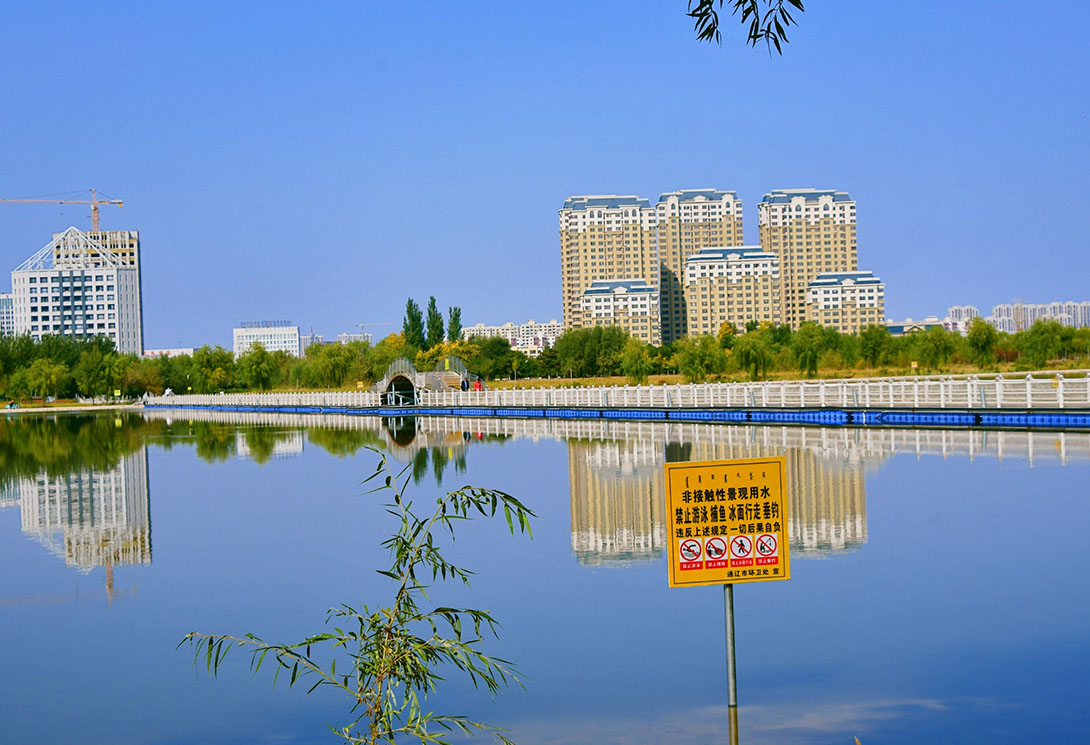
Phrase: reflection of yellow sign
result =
(728, 521)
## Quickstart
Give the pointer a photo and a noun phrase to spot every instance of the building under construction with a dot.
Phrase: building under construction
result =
(82, 284)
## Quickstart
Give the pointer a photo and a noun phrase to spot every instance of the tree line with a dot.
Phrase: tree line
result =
(65, 367)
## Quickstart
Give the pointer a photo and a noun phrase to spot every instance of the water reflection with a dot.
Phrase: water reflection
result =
(81, 483)
(615, 469)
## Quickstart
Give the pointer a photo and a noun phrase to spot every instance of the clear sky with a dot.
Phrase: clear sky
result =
(322, 162)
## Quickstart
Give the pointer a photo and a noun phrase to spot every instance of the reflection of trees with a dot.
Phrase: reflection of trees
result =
(62, 444)
(343, 442)
(262, 440)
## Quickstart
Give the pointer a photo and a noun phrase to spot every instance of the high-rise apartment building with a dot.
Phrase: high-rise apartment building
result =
(687, 221)
(812, 232)
(731, 285)
(612, 238)
(629, 304)
(607, 237)
(846, 301)
(76, 285)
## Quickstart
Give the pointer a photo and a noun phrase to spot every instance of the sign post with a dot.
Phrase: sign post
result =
(728, 523)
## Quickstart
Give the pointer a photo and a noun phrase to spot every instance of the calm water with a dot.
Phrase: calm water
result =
(938, 589)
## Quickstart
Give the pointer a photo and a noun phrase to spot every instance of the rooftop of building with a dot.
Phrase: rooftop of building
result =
(607, 286)
(724, 252)
(784, 196)
(829, 279)
(606, 201)
(691, 195)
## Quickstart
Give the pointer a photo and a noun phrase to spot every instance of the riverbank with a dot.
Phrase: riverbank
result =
(72, 409)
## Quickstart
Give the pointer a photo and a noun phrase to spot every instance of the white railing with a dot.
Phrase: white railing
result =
(971, 392)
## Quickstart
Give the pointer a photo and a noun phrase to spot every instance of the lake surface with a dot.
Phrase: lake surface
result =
(938, 593)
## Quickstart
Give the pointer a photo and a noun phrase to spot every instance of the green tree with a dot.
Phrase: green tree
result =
(93, 372)
(392, 658)
(1041, 342)
(412, 325)
(768, 20)
(726, 334)
(698, 357)
(982, 341)
(434, 333)
(635, 361)
(936, 346)
(875, 341)
(46, 377)
(754, 353)
(807, 346)
(454, 323)
(257, 369)
(213, 369)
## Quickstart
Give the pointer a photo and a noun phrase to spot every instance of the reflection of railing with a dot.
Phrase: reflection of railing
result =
(869, 446)
(972, 392)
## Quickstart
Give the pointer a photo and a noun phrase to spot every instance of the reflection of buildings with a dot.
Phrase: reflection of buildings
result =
(91, 518)
(618, 503)
(616, 474)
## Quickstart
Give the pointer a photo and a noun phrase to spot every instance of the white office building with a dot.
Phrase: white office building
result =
(275, 336)
(348, 338)
(76, 286)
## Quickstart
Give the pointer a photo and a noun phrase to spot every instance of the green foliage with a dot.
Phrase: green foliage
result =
(768, 20)
(392, 658)
(412, 325)
(982, 341)
(46, 377)
(1042, 342)
(434, 334)
(636, 362)
(936, 346)
(754, 353)
(593, 351)
(726, 334)
(697, 358)
(257, 369)
(808, 345)
(454, 323)
(874, 340)
(213, 369)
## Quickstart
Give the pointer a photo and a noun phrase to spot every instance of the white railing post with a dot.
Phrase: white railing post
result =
(1060, 390)
(1029, 391)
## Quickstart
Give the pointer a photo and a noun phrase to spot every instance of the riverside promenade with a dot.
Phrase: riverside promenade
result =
(1039, 400)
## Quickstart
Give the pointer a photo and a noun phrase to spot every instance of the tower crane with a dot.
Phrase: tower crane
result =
(364, 326)
(94, 201)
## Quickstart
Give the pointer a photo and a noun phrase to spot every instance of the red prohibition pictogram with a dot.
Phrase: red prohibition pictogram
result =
(766, 544)
(690, 550)
(716, 549)
(741, 551)
(689, 554)
(768, 548)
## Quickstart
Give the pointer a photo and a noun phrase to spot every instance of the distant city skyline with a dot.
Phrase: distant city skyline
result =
(297, 172)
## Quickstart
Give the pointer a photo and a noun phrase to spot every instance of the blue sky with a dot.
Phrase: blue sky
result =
(323, 162)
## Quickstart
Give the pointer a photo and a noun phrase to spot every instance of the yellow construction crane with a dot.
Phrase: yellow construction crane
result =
(94, 202)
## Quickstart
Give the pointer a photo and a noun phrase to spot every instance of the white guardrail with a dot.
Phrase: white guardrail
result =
(971, 392)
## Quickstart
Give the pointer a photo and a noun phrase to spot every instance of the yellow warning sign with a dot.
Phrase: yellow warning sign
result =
(728, 521)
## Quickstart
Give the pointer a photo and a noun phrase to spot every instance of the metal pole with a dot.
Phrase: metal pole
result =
(732, 681)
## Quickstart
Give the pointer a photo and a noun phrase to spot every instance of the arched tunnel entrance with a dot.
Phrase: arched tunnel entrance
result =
(400, 392)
